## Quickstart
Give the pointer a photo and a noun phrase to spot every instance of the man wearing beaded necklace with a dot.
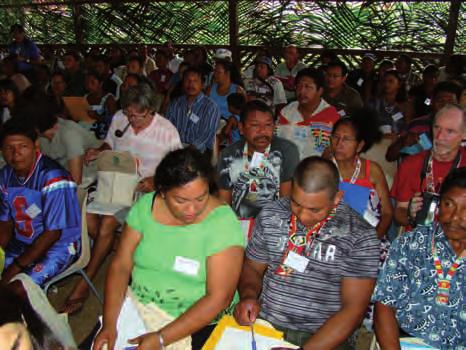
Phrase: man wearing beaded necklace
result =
(425, 171)
(421, 287)
(256, 170)
(311, 262)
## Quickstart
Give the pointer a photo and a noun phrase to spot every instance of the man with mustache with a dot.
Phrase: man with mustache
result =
(425, 171)
(257, 169)
(308, 122)
(420, 289)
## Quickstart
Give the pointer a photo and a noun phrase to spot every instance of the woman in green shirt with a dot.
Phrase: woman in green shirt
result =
(183, 249)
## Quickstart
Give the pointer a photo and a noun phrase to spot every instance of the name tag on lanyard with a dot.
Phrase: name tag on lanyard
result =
(296, 261)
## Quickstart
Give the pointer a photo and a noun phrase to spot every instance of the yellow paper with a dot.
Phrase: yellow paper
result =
(78, 107)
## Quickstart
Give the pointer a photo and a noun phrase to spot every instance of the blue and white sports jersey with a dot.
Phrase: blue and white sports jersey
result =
(45, 200)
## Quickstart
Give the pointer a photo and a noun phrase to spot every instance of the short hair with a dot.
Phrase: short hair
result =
(194, 70)
(365, 123)
(162, 52)
(430, 69)
(102, 58)
(340, 64)
(94, 74)
(17, 27)
(18, 125)
(139, 59)
(404, 57)
(182, 166)
(315, 74)
(73, 53)
(141, 95)
(456, 178)
(315, 174)
(7, 84)
(447, 86)
(236, 100)
(253, 106)
(454, 106)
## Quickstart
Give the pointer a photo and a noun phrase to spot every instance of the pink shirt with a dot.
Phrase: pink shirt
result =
(149, 146)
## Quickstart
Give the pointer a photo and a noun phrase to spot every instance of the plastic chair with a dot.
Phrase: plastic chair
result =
(79, 265)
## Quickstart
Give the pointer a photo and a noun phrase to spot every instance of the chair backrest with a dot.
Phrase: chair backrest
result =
(85, 256)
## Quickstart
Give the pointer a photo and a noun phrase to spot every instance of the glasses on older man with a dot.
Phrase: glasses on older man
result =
(130, 114)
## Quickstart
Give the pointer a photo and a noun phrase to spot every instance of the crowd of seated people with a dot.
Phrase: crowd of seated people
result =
(257, 197)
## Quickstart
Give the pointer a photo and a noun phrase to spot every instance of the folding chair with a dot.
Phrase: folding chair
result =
(79, 265)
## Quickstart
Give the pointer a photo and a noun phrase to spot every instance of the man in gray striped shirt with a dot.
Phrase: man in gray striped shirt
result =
(311, 263)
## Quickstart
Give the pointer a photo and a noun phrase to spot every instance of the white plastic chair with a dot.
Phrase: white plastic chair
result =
(79, 265)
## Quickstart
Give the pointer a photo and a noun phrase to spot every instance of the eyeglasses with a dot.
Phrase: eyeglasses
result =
(130, 115)
(343, 139)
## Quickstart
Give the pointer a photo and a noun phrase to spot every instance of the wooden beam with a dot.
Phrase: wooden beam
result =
(452, 26)
(78, 24)
(233, 24)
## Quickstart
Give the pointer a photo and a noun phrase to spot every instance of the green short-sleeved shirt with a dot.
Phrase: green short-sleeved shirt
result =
(165, 249)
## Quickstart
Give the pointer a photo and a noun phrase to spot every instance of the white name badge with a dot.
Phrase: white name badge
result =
(427, 101)
(256, 159)
(397, 116)
(187, 266)
(162, 78)
(296, 261)
(360, 81)
(342, 113)
(194, 118)
(262, 90)
(33, 211)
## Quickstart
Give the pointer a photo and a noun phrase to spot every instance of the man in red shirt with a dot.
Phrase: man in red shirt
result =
(425, 171)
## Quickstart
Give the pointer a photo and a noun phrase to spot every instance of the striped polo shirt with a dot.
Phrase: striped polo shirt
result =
(346, 247)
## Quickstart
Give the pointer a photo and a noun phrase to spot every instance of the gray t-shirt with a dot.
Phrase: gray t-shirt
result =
(70, 141)
(258, 186)
(346, 247)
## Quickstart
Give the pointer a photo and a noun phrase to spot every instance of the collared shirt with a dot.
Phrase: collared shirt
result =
(408, 283)
(311, 136)
(348, 100)
(149, 145)
(346, 247)
(196, 122)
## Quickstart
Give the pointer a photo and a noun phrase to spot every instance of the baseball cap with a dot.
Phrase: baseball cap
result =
(223, 54)
(370, 56)
(265, 60)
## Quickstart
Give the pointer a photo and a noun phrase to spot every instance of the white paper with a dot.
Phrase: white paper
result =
(414, 343)
(194, 118)
(33, 211)
(342, 112)
(360, 81)
(256, 159)
(427, 101)
(246, 227)
(397, 116)
(296, 261)
(186, 266)
(236, 339)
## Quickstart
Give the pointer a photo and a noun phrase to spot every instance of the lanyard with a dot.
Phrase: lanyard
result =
(264, 157)
(444, 281)
(297, 243)
(356, 171)
(428, 172)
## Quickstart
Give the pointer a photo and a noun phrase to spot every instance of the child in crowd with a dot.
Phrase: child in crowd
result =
(230, 132)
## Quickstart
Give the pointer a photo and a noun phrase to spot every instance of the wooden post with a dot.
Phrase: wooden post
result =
(233, 26)
(78, 28)
(452, 26)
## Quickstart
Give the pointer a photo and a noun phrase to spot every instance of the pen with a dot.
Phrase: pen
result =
(253, 343)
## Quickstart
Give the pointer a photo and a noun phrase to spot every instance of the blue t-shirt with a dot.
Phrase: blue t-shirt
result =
(221, 100)
(408, 283)
(26, 49)
(45, 200)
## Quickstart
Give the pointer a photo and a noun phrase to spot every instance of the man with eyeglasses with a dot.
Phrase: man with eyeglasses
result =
(308, 122)
(311, 262)
(148, 136)
(336, 92)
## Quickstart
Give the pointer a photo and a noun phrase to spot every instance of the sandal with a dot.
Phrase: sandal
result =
(73, 306)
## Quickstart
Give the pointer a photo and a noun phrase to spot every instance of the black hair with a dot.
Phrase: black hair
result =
(162, 52)
(194, 70)
(58, 73)
(93, 73)
(182, 166)
(17, 27)
(448, 86)
(315, 74)
(18, 125)
(229, 67)
(315, 174)
(75, 54)
(12, 60)
(252, 106)
(430, 69)
(365, 124)
(136, 58)
(14, 309)
(236, 100)
(7, 84)
(401, 95)
(406, 58)
(340, 64)
(456, 178)
(330, 54)
(102, 58)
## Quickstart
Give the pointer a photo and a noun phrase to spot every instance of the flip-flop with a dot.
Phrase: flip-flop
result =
(73, 306)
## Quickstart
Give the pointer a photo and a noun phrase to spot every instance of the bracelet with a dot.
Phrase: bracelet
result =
(161, 340)
(18, 264)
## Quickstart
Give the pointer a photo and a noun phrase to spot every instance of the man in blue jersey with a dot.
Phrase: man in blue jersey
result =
(40, 220)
